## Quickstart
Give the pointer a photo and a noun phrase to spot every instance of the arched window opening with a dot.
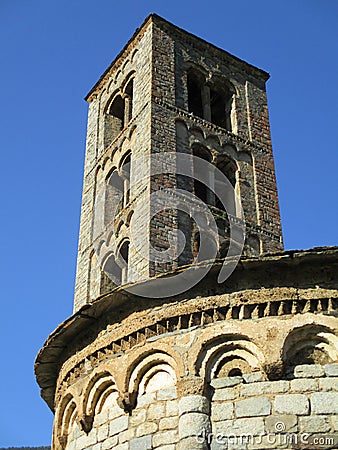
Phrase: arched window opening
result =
(220, 105)
(123, 258)
(212, 102)
(116, 111)
(228, 168)
(201, 190)
(125, 172)
(194, 86)
(113, 196)
(235, 373)
(129, 91)
(111, 276)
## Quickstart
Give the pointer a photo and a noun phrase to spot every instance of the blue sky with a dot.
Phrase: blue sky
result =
(52, 52)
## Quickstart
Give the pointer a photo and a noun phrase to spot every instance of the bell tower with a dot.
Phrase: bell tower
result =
(192, 327)
(168, 92)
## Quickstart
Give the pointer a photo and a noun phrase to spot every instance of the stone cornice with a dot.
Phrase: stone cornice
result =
(51, 356)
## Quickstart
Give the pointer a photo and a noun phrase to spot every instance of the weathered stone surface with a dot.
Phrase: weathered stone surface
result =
(146, 428)
(156, 411)
(222, 411)
(192, 423)
(331, 370)
(118, 425)
(219, 383)
(144, 443)
(266, 387)
(253, 377)
(168, 423)
(253, 407)
(317, 423)
(324, 403)
(165, 438)
(328, 384)
(291, 404)
(167, 394)
(225, 394)
(303, 385)
(283, 423)
(309, 371)
(193, 403)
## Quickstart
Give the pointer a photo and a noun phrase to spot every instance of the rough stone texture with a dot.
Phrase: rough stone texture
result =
(193, 403)
(309, 371)
(252, 407)
(129, 372)
(324, 403)
(291, 404)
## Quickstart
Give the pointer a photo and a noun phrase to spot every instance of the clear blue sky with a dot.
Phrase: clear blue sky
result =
(52, 52)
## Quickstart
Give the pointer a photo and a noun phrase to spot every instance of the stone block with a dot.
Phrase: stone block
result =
(165, 438)
(190, 443)
(222, 411)
(102, 432)
(115, 412)
(146, 399)
(138, 416)
(291, 404)
(192, 424)
(253, 407)
(101, 418)
(168, 423)
(219, 383)
(253, 377)
(141, 443)
(118, 425)
(225, 394)
(303, 385)
(167, 394)
(248, 426)
(286, 423)
(193, 403)
(324, 403)
(331, 370)
(126, 435)
(309, 371)
(314, 424)
(97, 447)
(328, 384)
(264, 387)
(171, 408)
(146, 428)
(334, 421)
(156, 411)
(110, 443)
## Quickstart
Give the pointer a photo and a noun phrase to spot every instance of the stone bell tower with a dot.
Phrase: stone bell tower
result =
(172, 371)
(168, 91)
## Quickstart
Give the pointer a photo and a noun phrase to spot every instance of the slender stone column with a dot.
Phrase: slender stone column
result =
(206, 102)
(194, 414)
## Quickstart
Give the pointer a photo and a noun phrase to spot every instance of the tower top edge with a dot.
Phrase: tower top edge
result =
(169, 26)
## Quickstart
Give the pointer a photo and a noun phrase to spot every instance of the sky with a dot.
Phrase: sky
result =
(51, 54)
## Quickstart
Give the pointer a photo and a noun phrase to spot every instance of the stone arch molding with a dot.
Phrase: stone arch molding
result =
(310, 344)
(226, 353)
(151, 370)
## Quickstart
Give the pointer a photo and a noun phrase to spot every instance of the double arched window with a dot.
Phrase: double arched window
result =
(212, 100)
(119, 111)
